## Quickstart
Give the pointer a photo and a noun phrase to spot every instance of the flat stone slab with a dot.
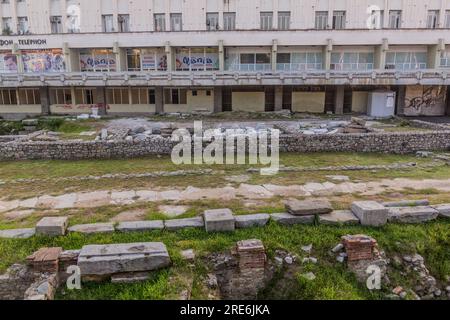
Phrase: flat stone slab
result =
(130, 215)
(219, 220)
(17, 233)
(412, 214)
(18, 214)
(93, 228)
(130, 277)
(173, 211)
(252, 220)
(289, 219)
(338, 217)
(93, 199)
(52, 226)
(406, 203)
(370, 213)
(177, 224)
(120, 258)
(443, 209)
(308, 207)
(134, 226)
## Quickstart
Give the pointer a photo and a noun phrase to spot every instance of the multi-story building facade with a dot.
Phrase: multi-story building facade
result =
(147, 56)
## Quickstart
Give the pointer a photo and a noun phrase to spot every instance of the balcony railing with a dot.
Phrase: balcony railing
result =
(406, 66)
(244, 67)
(289, 67)
(352, 66)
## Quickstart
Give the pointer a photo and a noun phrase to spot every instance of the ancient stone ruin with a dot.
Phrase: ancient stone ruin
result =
(243, 273)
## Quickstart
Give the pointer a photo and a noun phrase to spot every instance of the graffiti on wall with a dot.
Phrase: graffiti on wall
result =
(425, 100)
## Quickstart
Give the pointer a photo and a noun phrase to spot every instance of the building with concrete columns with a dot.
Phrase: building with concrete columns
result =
(146, 56)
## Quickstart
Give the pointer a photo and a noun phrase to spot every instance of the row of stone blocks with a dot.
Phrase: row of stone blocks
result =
(367, 213)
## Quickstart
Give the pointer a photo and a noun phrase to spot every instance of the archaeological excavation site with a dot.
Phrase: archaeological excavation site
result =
(217, 159)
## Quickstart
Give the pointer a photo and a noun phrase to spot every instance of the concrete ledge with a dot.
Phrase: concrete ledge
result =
(133, 226)
(177, 224)
(93, 228)
(412, 214)
(252, 220)
(289, 219)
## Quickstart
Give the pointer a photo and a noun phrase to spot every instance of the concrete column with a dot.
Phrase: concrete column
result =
(218, 105)
(116, 51)
(380, 55)
(278, 98)
(18, 53)
(159, 100)
(100, 100)
(45, 100)
(327, 55)
(339, 100)
(168, 51)
(434, 54)
(274, 55)
(401, 95)
(67, 58)
(221, 56)
(447, 110)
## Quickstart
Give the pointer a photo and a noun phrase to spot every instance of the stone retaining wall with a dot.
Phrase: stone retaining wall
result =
(392, 142)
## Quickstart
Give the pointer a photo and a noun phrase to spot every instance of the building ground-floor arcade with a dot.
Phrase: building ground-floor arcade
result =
(411, 100)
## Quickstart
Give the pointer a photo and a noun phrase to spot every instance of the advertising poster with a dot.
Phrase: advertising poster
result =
(35, 61)
(97, 61)
(8, 63)
(193, 60)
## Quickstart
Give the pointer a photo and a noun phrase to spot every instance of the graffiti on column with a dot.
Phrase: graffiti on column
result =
(425, 100)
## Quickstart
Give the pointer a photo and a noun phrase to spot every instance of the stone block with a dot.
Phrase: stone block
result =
(370, 213)
(412, 214)
(289, 219)
(308, 207)
(52, 226)
(219, 220)
(252, 220)
(133, 226)
(120, 258)
(406, 203)
(338, 217)
(17, 233)
(177, 224)
(443, 209)
(93, 228)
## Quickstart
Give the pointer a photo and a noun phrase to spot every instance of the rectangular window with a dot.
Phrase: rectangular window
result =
(151, 96)
(139, 96)
(338, 20)
(61, 96)
(160, 22)
(266, 20)
(117, 96)
(406, 60)
(445, 59)
(7, 26)
(107, 23)
(212, 21)
(176, 23)
(284, 20)
(299, 61)
(352, 61)
(8, 96)
(97, 60)
(29, 96)
(22, 25)
(377, 19)
(146, 60)
(56, 24)
(321, 20)
(395, 19)
(123, 21)
(447, 19)
(84, 96)
(433, 19)
(229, 21)
(175, 96)
(197, 59)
